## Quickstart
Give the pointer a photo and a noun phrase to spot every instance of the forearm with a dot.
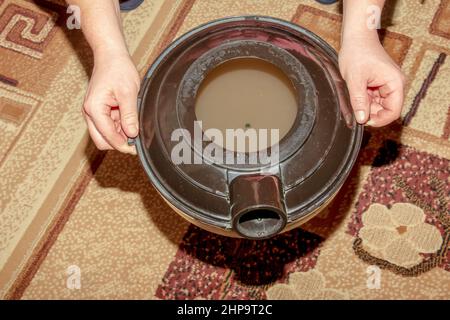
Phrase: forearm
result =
(357, 21)
(101, 25)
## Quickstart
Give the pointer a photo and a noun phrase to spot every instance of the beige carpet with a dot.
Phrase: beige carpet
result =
(69, 211)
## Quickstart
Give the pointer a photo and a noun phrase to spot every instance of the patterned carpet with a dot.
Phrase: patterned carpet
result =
(67, 209)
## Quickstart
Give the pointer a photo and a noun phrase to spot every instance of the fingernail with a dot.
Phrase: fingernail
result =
(360, 115)
(370, 123)
(133, 129)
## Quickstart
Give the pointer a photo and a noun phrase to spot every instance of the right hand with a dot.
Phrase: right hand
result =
(110, 105)
(375, 82)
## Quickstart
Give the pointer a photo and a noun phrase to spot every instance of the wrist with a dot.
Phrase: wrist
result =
(368, 37)
(361, 19)
(107, 51)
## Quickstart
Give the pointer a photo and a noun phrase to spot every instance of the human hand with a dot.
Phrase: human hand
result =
(375, 82)
(110, 105)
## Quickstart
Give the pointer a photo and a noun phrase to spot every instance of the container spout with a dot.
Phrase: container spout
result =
(257, 209)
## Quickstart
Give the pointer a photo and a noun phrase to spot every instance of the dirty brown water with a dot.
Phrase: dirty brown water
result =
(246, 93)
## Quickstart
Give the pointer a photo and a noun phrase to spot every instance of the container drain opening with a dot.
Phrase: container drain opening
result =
(259, 223)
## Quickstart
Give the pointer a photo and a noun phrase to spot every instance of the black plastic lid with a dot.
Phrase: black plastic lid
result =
(315, 156)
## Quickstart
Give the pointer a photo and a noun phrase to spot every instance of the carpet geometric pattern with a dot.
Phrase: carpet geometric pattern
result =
(66, 208)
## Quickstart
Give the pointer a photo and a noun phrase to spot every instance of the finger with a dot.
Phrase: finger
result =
(99, 141)
(357, 88)
(392, 101)
(375, 101)
(374, 94)
(115, 116)
(375, 106)
(105, 126)
(127, 99)
(381, 118)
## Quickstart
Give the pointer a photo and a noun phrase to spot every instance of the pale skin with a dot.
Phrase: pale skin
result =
(110, 103)
(374, 81)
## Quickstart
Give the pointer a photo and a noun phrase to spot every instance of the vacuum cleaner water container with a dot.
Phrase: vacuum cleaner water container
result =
(238, 197)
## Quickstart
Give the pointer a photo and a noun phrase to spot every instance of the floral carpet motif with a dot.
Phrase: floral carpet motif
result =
(401, 216)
